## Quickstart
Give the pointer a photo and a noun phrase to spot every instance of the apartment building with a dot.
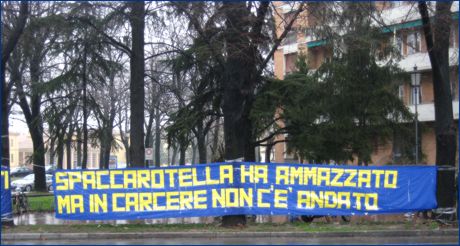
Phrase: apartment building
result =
(21, 150)
(404, 29)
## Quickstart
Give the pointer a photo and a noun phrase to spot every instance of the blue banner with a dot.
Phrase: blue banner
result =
(6, 208)
(242, 188)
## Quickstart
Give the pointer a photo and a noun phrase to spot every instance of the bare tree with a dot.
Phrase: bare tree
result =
(437, 33)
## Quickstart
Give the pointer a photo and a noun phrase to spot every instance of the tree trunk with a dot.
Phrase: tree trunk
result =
(201, 144)
(268, 151)
(85, 112)
(157, 138)
(437, 35)
(7, 49)
(38, 159)
(79, 150)
(106, 145)
(137, 84)
(182, 152)
(68, 144)
(60, 151)
(33, 118)
(193, 153)
(52, 151)
(174, 155)
(215, 139)
(239, 85)
(5, 131)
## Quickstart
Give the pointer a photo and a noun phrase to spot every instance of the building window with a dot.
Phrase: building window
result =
(413, 43)
(416, 95)
(395, 4)
(399, 44)
(454, 85)
(11, 158)
(290, 63)
(453, 42)
(291, 38)
(401, 92)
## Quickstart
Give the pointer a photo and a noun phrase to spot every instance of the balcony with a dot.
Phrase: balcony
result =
(404, 13)
(422, 60)
(426, 111)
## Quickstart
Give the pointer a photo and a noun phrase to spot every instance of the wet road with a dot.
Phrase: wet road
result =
(49, 219)
(279, 241)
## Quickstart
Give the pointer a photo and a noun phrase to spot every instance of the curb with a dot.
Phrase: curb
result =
(167, 235)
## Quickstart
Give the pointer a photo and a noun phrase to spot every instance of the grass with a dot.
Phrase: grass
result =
(40, 203)
(252, 227)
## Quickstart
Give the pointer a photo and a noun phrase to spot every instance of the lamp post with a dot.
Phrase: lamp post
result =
(415, 82)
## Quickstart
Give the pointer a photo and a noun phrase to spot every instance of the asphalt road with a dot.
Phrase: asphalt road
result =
(279, 241)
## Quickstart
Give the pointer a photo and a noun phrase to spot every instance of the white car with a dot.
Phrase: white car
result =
(27, 183)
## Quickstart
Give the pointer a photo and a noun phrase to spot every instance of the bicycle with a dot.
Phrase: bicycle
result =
(20, 202)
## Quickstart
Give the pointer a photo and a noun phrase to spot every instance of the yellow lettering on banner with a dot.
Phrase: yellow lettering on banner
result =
(115, 197)
(282, 174)
(218, 197)
(364, 176)
(96, 203)
(229, 194)
(143, 179)
(226, 174)
(6, 182)
(336, 180)
(100, 185)
(377, 174)
(367, 203)
(303, 199)
(145, 201)
(247, 173)
(281, 198)
(296, 174)
(77, 203)
(351, 175)
(358, 197)
(199, 199)
(155, 201)
(343, 199)
(113, 179)
(61, 181)
(309, 173)
(88, 178)
(209, 180)
(315, 199)
(129, 178)
(260, 199)
(394, 179)
(324, 174)
(172, 200)
(158, 179)
(197, 182)
(74, 177)
(330, 199)
(131, 201)
(246, 198)
(171, 173)
(261, 173)
(63, 203)
(186, 199)
(185, 177)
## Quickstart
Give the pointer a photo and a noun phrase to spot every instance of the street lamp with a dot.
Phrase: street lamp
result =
(415, 82)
